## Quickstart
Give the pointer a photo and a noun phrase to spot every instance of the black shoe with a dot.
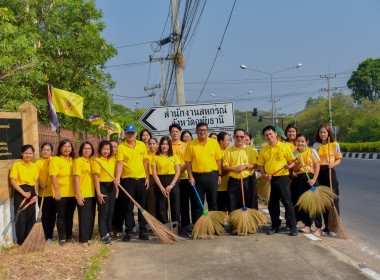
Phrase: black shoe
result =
(143, 236)
(293, 232)
(106, 240)
(126, 238)
(111, 238)
(62, 242)
(273, 230)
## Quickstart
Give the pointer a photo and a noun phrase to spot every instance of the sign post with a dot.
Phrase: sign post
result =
(218, 116)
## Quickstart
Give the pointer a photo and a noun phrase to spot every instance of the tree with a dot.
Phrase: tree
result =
(365, 81)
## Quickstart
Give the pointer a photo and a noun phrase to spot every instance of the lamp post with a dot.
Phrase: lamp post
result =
(271, 81)
(137, 103)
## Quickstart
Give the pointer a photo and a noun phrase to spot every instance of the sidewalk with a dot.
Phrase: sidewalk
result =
(257, 256)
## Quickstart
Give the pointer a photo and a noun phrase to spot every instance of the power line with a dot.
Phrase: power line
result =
(218, 51)
(132, 45)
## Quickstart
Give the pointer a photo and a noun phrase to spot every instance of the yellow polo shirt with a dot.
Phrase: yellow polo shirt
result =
(274, 158)
(24, 174)
(234, 157)
(150, 156)
(133, 165)
(203, 157)
(291, 146)
(63, 170)
(223, 186)
(109, 164)
(180, 149)
(44, 178)
(82, 168)
(322, 150)
(309, 157)
(165, 165)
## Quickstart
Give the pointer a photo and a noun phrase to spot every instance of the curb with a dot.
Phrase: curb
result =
(361, 155)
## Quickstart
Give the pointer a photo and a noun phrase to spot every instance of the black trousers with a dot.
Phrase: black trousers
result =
(324, 180)
(185, 196)
(298, 187)
(253, 182)
(280, 190)
(118, 213)
(105, 210)
(205, 184)
(137, 189)
(222, 201)
(65, 208)
(162, 201)
(151, 197)
(235, 196)
(49, 216)
(86, 217)
(26, 218)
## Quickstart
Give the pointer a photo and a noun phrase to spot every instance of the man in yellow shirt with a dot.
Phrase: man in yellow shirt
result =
(239, 160)
(204, 166)
(273, 157)
(132, 168)
(179, 149)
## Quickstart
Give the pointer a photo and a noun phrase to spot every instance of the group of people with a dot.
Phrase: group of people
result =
(165, 172)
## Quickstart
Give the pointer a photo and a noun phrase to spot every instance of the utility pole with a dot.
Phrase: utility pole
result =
(328, 77)
(275, 111)
(246, 120)
(153, 92)
(161, 59)
(178, 50)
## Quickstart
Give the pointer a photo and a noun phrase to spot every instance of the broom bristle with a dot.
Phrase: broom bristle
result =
(335, 224)
(315, 202)
(159, 230)
(248, 221)
(210, 224)
(263, 188)
(35, 241)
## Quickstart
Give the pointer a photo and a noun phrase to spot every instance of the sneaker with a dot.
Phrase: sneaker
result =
(134, 230)
(50, 240)
(126, 238)
(62, 242)
(111, 238)
(106, 240)
(189, 228)
(143, 236)
(293, 232)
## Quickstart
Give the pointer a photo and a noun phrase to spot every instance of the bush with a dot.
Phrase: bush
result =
(368, 147)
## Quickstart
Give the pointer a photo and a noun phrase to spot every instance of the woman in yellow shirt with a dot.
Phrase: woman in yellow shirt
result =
(105, 189)
(145, 135)
(166, 171)
(224, 143)
(85, 191)
(61, 174)
(291, 132)
(150, 195)
(46, 190)
(329, 159)
(300, 183)
(23, 178)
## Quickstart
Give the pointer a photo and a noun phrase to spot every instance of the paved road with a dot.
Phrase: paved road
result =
(360, 198)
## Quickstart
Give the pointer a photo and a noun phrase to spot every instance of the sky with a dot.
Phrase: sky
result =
(327, 37)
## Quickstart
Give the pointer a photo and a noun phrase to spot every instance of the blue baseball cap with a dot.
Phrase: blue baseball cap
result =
(130, 128)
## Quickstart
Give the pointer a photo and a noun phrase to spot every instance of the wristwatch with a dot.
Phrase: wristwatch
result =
(246, 166)
(172, 183)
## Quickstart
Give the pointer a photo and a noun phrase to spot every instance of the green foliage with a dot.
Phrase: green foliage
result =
(58, 43)
(365, 81)
(258, 140)
(361, 147)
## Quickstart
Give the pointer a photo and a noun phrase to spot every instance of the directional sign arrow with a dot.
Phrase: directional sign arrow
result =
(145, 117)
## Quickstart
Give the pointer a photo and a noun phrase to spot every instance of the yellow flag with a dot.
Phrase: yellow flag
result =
(68, 103)
(118, 128)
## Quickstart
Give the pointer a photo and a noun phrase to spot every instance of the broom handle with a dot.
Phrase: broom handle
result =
(200, 201)
(242, 188)
(307, 175)
(170, 213)
(290, 162)
(328, 157)
(43, 194)
(22, 202)
(121, 187)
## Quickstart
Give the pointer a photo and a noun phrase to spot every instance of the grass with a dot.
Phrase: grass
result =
(94, 268)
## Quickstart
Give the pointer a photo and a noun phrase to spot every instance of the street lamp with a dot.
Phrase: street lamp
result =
(137, 103)
(271, 81)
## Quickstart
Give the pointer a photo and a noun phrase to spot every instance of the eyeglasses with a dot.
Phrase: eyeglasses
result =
(202, 130)
(239, 137)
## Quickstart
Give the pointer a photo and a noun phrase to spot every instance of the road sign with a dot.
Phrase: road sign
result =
(216, 115)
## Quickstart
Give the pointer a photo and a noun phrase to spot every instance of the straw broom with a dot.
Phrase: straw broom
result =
(159, 230)
(209, 223)
(315, 200)
(246, 220)
(35, 241)
(263, 185)
(334, 222)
